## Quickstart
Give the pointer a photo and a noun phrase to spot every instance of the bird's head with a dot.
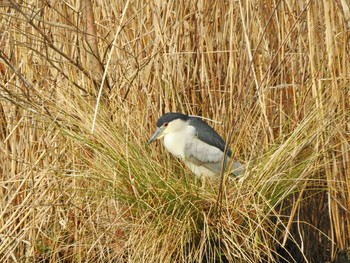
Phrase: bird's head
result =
(169, 123)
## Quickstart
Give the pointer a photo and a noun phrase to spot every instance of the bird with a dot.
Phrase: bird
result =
(195, 142)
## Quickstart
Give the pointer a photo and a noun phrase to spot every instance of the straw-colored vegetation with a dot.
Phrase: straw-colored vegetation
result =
(82, 85)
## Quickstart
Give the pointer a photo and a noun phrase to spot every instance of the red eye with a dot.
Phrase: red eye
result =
(166, 124)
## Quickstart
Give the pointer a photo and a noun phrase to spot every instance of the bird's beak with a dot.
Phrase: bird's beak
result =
(156, 135)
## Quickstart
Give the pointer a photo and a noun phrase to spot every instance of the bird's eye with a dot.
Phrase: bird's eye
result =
(166, 124)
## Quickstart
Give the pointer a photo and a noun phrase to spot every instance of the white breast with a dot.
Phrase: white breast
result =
(175, 142)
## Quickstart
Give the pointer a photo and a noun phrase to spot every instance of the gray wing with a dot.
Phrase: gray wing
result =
(203, 154)
(207, 149)
(207, 134)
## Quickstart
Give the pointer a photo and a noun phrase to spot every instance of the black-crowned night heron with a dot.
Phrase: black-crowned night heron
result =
(195, 142)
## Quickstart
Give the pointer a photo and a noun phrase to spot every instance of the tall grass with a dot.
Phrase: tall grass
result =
(80, 184)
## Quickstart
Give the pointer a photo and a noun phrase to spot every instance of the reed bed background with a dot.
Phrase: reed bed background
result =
(82, 85)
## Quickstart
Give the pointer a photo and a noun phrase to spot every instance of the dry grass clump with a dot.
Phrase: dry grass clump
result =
(83, 84)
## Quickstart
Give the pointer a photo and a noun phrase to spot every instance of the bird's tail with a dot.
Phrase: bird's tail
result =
(237, 168)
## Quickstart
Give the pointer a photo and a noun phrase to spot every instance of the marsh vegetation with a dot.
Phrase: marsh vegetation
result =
(82, 85)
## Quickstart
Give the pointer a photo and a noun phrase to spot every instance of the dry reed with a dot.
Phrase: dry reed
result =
(82, 85)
